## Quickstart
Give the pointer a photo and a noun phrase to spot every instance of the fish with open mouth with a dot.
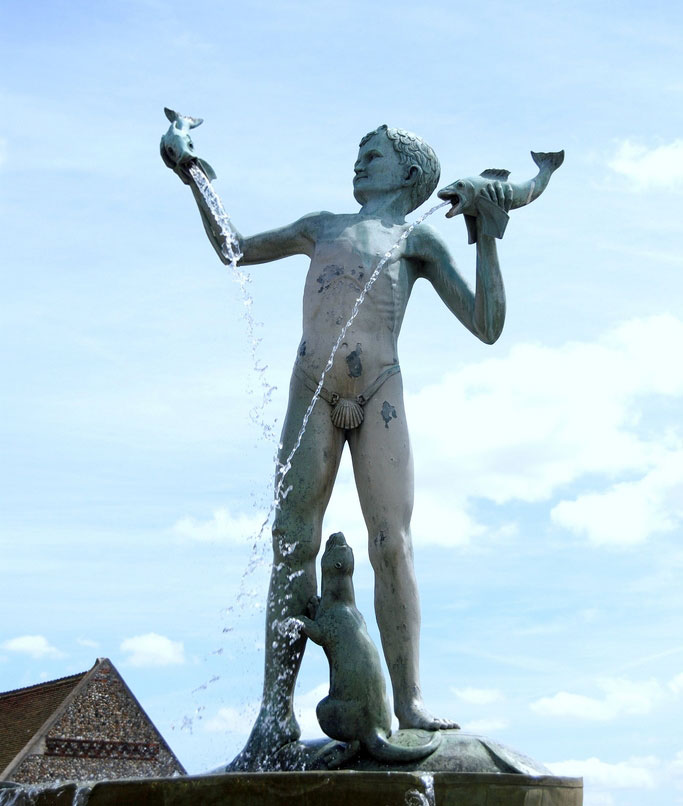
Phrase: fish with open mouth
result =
(466, 197)
(176, 145)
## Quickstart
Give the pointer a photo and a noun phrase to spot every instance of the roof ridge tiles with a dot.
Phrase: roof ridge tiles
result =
(26, 689)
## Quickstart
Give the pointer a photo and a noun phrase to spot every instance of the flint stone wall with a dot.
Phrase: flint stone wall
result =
(103, 734)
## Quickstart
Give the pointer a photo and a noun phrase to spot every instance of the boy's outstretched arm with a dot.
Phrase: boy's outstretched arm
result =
(482, 312)
(294, 239)
(298, 238)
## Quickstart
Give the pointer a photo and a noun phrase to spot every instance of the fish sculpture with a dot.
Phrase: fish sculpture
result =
(466, 197)
(176, 145)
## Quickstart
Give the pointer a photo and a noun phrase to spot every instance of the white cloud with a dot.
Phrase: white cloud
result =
(676, 684)
(153, 650)
(485, 725)
(523, 426)
(520, 428)
(232, 720)
(478, 696)
(87, 642)
(239, 720)
(594, 798)
(435, 521)
(659, 167)
(636, 773)
(37, 646)
(304, 708)
(344, 512)
(622, 697)
(222, 527)
(629, 512)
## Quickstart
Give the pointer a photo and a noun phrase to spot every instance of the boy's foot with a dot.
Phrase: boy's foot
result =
(417, 716)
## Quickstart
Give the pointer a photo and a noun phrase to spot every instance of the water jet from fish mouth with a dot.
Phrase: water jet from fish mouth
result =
(232, 252)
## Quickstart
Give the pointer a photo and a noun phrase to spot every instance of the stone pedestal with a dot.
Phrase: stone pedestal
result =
(466, 770)
(317, 788)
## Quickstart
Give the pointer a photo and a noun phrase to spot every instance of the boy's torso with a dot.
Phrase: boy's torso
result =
(347, 250)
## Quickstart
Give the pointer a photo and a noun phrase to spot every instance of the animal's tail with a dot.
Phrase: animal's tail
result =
(173, 116)
(548, 159)
(381, 749)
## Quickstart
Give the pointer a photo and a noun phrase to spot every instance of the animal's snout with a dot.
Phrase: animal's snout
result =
(450, 193)
(337, 539)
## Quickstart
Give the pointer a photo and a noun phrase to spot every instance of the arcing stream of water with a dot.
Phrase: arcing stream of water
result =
(282, 470)
(233, 253)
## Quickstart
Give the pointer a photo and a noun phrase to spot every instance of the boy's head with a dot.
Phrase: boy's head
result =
(416, 158)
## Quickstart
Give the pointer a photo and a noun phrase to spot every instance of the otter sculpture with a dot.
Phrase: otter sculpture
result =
(356, 710)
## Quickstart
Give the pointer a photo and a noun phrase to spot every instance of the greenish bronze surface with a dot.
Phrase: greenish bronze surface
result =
(456, 752)
(356, 710)
(361, 402)
(177, 148)
(346, 788)
(466, 199)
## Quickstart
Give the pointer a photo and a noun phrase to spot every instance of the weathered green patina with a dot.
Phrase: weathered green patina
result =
(361, 401)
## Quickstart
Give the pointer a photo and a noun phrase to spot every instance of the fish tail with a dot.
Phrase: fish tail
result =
(548, 159)
(175, 117)
(381, 749)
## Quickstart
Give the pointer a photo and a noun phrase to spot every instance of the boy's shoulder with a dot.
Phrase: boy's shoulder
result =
(425, 240)
(327, 224)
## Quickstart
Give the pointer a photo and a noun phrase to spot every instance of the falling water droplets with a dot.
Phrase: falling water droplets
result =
(231, 251)
(230, 248)
(284, 468)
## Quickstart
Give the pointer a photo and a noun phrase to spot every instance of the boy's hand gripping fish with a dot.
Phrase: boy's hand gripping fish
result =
(467, 197)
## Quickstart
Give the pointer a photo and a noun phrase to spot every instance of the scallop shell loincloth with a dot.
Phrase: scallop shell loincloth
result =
(346, 412)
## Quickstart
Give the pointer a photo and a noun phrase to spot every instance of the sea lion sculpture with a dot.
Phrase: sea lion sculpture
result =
(356, 710)
(462, 195)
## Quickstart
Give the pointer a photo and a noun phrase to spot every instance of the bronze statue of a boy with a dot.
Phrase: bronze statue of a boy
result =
(362, 406)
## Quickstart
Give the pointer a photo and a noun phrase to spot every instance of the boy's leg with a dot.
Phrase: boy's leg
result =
(383, 469)
(296, 540)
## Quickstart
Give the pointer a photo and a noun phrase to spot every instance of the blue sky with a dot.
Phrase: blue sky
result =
(549, 467)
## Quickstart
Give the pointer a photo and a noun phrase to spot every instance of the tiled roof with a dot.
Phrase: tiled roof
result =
(25, 710)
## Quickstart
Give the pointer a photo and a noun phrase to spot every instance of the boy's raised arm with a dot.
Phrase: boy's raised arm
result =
(482, 312)
(294, 239)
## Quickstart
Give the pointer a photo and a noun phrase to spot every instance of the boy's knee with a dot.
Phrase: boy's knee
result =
(390, 548)
(293, 552)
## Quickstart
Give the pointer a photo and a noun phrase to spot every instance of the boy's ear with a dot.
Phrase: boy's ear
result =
(412, 174)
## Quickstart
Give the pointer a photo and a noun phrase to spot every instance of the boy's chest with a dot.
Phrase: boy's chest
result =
(368, 239)
(349, 257)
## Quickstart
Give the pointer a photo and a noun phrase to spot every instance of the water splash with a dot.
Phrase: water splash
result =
(428, 783)
(414, 797)
(30, 795)
(81, 795)
(230, 248)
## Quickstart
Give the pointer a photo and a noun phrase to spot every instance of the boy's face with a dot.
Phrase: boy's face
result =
(377, 169)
